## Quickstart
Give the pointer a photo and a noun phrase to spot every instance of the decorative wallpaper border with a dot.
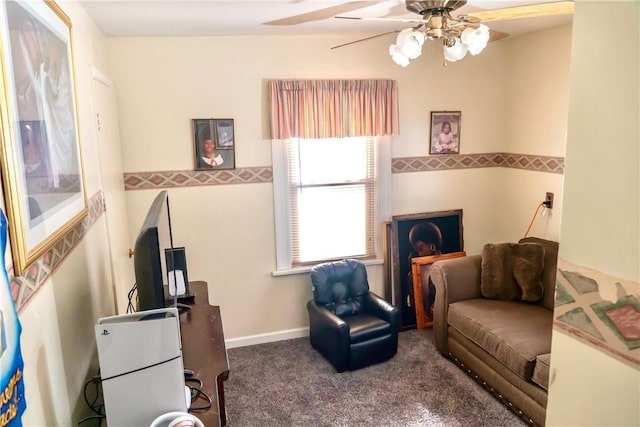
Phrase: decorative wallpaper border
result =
(264, 174)
(24, 287)
(473, 161)
(168, 179)
(599, 310)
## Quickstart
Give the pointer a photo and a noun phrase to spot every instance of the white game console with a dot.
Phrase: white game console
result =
(141, 366)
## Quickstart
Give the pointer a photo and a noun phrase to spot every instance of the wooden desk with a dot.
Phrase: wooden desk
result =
(204, 352)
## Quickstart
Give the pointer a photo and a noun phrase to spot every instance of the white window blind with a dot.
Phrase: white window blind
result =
(332, 193)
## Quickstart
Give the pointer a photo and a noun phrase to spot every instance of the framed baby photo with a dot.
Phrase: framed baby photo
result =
(214, 145)
(445, 132)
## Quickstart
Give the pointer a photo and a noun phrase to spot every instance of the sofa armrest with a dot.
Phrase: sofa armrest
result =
(455, 279)
(382, 309)
(329, 334)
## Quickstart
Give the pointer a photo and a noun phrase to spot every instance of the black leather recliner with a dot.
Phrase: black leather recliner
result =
(349, 325)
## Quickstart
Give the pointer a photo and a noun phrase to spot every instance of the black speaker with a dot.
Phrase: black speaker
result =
(177, 262)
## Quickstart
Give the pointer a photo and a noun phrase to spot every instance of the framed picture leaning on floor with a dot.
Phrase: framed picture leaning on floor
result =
(419, 235)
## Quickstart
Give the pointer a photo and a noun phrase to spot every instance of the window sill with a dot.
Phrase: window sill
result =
(307, 268)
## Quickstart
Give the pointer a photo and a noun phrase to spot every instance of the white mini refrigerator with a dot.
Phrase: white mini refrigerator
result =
(141, 366)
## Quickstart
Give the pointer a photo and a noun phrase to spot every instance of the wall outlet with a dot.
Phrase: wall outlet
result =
(548, 201)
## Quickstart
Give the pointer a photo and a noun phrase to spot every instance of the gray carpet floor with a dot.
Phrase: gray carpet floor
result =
(288, 383)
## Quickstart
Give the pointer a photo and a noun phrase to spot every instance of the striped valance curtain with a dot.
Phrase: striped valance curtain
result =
(317, 109)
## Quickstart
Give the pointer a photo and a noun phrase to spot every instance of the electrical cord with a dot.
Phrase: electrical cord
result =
(95, 407)
(92, 417)
(534, 218)
(97, 381)
(130, 295)
(197, 394)
(195, 380)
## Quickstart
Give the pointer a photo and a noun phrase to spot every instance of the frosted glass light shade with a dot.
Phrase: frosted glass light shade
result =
(397, 55)
(403, 36)
(475, 39)
(411, 49)
(455, 52)
(410, 42)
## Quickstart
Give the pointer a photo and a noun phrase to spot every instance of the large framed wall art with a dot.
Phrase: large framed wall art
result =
(420, 235)
(41, 158)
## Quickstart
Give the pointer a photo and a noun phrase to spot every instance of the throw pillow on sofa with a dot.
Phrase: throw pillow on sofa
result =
(512, 271)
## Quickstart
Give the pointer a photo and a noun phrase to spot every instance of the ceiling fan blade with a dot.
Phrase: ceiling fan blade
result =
(496, 35)
(317, 15)
(365, 39)
(398, 9)
(528, 11)
(493, 36)
(405, 20)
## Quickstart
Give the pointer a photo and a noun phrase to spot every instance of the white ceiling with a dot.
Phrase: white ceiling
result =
(122, 18)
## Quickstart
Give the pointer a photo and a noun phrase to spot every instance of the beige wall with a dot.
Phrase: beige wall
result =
(536, 104)
(58, 345)
(162, 83)
(600, 218)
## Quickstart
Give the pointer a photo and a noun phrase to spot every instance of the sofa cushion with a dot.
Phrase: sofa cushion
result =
(513, 332)
(550, 269)
(364, 327)
(541, 371)
(512, 271)
(340, 286)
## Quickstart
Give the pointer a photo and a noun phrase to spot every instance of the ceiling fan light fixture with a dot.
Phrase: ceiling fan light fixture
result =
(459, 34)
(457, 38)
(412, 48)
(450, 41)
(456, 52)
(475, 39)
(403, 36)
(408, 44)
(466, 19)
(436, 22)
(434, 33)
(397, 56)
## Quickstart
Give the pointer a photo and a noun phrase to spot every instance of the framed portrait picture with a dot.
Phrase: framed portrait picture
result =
(420, 235)
(224, 131)
(214, 144)
(41, 156)
(423, 288)
(445, 132)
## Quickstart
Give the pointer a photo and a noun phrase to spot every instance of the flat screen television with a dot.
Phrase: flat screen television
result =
(152, 251)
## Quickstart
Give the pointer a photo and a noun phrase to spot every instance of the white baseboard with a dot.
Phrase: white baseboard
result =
(265, 338)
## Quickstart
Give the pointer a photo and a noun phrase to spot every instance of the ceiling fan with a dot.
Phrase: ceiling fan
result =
(459, 35)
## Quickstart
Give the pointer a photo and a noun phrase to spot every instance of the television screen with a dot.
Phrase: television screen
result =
(149, 255)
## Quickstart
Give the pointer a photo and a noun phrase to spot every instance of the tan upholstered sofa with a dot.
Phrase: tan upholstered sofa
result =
(504, 344)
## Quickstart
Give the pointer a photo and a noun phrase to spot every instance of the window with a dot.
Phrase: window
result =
(328, 198)
(330, 193)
